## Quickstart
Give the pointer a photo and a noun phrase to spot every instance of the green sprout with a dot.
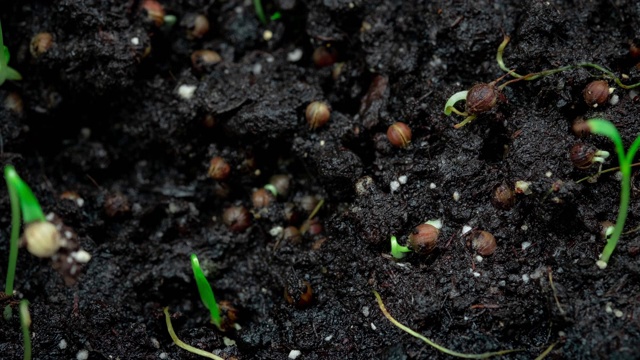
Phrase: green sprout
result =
(257, 4)
(25, 323)
(431, 343)
(184, 345)
(22, 199)
(398, 251)
(206, 293)
(606, 128)
(6, 72)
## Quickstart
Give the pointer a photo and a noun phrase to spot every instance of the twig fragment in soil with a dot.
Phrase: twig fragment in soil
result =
(184, 345)
(433, 344)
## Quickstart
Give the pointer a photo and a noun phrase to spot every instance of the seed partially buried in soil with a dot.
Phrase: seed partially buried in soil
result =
(503, 196)
(42, 239)
(424, 239)
(218, 168)
(399, 134)
(482, 98)
(237, 218)
(317, 114)
(482, 242)
(596, 93)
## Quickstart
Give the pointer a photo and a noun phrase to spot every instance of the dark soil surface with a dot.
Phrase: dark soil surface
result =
(101, 116)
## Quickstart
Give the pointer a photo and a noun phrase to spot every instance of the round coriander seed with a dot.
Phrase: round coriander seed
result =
(218, 168)
(482, 242)
(399, 135)
(237, 218)
(482, 98)
(596, 93)
(424, 239)
(317, 114)
(42, 239)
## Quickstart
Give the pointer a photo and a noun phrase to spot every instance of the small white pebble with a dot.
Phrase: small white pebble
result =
(522, 187)
(562, 334)
(186, 91)
(618, 313)
(82, 355)
(294, 354)
(479, 258)
(322, 142)
(614, 100)
(502, 283)
(155, 343)
(294, 55)
(373, 327)
(62, 344)
(525, 245)
(163, 355)
(402, 179)
(365, 310)
(466, 229)
(456, 196)
(524, 227)
(328, 338)
(476, 274)
(394, 185)
(275, 231)
(227, 341)
(548, 174)
(432, 186)
(80, 202)
(608, 308)
(81, 256)
(135, 41)
(465, 318)
(525, 278)
(436, 223)
(49, 217)
(68, 234)
(267, 35)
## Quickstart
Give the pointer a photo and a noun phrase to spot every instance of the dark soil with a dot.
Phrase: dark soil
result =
(101, 116)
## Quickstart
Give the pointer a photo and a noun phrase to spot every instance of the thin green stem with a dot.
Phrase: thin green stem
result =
(25, 323)
(438, 347)
(184, 345)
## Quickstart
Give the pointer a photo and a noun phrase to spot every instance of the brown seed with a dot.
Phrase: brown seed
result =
(203, 60)
(596, 93)
(198, 25)
(604, 227)
(13, 102)
(582, 155)
(261, 198)
(237, 218)
(424, 239)
(40, 44)
(155, 11)
(482, 98)
(324, 56)
(308, 203)
(116, 204)
(292, 235)
(503, 196)
(281, 183)
(399, 135)
(298, 293)
(317, 114)
(482, 242)
(634, 48)
(218, 168)
(42, 239)
(579, 127)
(228, 314)
(209, 121)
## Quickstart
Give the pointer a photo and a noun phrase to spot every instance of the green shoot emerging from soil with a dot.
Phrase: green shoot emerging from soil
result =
(25, 323)
(21, 198)
(606, 128)
(184, 345)
(397, 250)
(440, 348)
(206, 293)
(6, 72)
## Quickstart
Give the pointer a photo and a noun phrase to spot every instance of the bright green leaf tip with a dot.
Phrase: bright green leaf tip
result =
(397, 250)
(31, 210)
(206, 293)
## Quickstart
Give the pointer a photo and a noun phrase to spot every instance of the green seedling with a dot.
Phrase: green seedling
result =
(25, 323)
(398, 251)
(206, 293)
(257, 4)
(606, 128)
(431, 343)
(485, 96)
(184, 345)
(22, 201)
(6, 72)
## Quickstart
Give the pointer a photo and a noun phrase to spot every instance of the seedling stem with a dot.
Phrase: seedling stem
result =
(604, 127)
(25, 323)
(184, 345)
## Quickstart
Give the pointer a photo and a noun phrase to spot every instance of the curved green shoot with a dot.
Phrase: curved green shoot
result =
(459, 96)
(184, 345)
(21, 197)
(440, 348)
(604, 127)
(6, 72)
(206, 293)
(25, 323)
(397, 250)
